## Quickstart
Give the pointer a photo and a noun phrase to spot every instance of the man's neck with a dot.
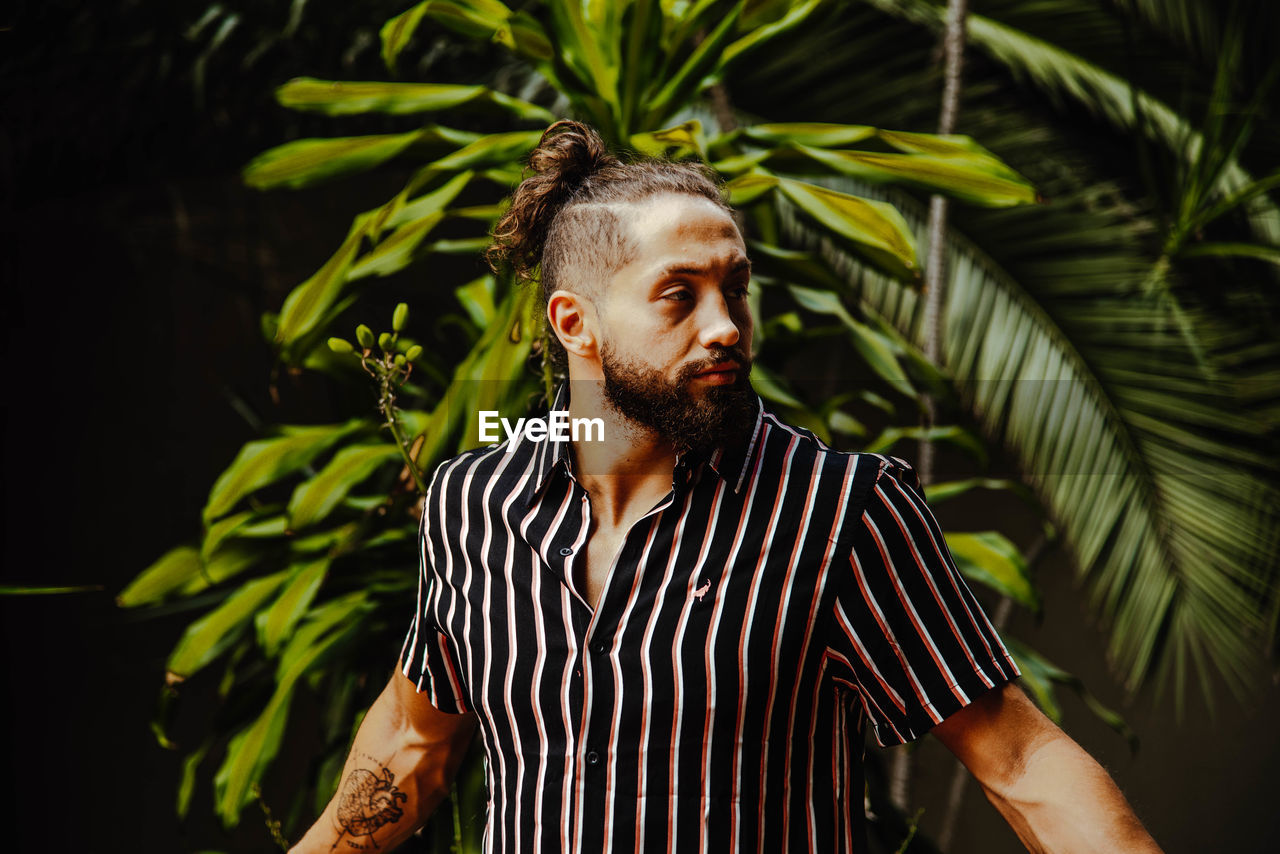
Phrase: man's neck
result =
(630, 467)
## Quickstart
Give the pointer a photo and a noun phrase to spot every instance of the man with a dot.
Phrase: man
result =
(670, 640)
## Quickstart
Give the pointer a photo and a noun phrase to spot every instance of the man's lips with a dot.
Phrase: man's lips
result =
(723, 372)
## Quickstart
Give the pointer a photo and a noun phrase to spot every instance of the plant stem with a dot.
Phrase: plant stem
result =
(387, 406)
(393, 424)
(953, 48)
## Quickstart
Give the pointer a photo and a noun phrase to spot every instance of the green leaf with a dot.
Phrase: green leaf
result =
(951, 434)
(338, 98)
(253, 748)
(316, 498)
(265, 461)
(412, 221)
(1227, 249)
(477, 19)
(275, 624)
(819, 134)
(759, 35)
(491, 377)
(307, 304)
(397, 251)
(875, 228)
(990, 558)
(476, 297)
(845, 424)
(745, 189)
(496, 149)
(793, 267)
(949, 145)
(24, 590)
(249, 753)
(226, 562)
(674, 143)
(187, 779)
(643, 46)
(950, 489)
(688, 79)
(398, 32)
(174, 569)
(582, 49)
(971, 178)
(205, 639)
(261, 523)
(876, 350)
(771, 387)
(225, 527)
(304, 162)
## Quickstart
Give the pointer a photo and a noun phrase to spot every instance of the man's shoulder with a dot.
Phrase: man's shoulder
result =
(466, 475)
(782, 438)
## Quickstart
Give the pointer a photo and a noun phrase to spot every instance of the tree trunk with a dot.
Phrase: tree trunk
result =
(935, 270)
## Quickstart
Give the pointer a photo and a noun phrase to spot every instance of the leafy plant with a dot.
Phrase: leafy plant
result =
(1131, 373)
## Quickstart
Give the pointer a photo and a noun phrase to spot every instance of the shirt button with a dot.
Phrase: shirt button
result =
(600, 649)
(593, 758)
(566, 551)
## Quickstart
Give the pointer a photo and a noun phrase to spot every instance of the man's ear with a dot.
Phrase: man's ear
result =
(572, 319)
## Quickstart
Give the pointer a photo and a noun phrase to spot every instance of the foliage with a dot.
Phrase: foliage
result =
(1134, 380)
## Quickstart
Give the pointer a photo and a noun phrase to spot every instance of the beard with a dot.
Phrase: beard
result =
(667, 407)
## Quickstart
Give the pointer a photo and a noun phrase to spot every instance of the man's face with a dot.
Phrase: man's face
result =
(676, 328)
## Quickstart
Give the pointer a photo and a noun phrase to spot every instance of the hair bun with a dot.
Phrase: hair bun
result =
(568, 153)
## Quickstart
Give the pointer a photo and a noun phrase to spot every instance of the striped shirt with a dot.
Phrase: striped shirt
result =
(781, 595)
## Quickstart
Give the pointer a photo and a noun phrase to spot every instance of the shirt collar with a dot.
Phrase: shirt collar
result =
(734, 460)
(551, 454)
(731, 462)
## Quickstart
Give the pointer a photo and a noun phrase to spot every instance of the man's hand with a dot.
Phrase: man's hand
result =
(1052, 793)
(400, 766)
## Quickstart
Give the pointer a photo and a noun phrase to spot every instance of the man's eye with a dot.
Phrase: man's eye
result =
(676, 296)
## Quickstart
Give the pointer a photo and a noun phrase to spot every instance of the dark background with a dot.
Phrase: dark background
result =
(135, 267)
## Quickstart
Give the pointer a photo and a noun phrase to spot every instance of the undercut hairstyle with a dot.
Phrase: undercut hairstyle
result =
(568, 226)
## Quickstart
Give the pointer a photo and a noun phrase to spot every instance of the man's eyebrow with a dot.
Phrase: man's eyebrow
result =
(742, 264)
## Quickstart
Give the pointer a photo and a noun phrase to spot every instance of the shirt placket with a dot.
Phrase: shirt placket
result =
(593, 667)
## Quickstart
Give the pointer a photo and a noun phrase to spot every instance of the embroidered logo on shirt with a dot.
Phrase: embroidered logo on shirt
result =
(702, 591)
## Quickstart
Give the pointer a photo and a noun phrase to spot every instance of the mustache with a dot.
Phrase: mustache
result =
(719, 355)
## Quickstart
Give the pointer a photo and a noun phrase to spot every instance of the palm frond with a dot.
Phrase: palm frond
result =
(1159, 480)
(1065, 76)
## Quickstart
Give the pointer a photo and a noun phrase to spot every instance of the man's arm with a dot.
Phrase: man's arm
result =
(401, 763)
(1052, 793)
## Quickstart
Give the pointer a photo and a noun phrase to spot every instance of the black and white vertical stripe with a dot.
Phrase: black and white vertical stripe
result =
(780, 595)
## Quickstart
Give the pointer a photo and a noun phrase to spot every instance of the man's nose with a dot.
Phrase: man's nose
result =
(716, 326)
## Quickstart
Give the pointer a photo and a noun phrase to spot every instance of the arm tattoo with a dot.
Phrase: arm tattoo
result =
(367, 801)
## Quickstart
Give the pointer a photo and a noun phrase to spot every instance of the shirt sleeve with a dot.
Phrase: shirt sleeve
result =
(916, 641)
(426, 657)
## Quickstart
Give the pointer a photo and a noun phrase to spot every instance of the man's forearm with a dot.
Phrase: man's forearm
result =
(1064, 802)
(395, 775)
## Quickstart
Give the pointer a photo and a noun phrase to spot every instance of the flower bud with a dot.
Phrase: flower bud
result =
(365, 336)
(413, 353)
(401, 317)
(341, 345)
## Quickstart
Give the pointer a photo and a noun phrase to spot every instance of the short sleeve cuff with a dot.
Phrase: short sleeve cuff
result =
(919, 719)
(427, 662)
